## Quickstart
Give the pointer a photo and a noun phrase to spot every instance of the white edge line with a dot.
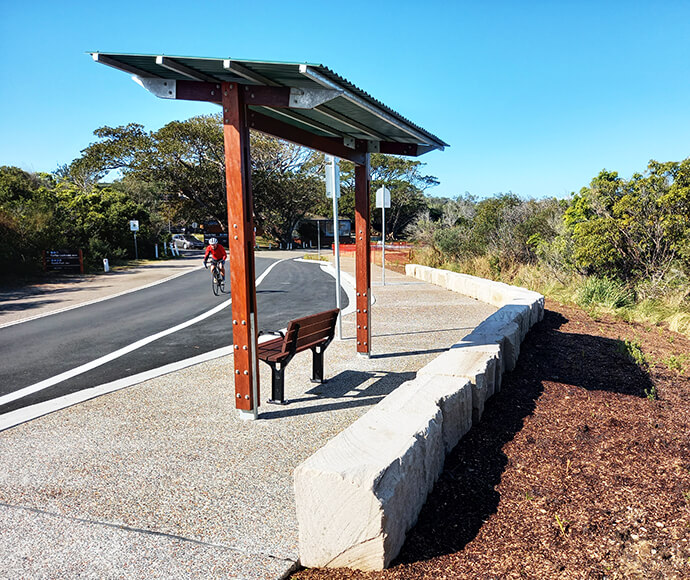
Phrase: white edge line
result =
(32, 412)
(54, 380)
(95, 300)
(118, 353)
(14, 418)
(347, 283)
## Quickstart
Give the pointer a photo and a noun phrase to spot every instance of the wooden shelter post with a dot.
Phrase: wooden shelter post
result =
(363, 258)
(241, 249)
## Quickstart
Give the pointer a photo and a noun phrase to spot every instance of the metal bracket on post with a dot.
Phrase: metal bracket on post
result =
(311, 98)
(373, 147)
(162, 88)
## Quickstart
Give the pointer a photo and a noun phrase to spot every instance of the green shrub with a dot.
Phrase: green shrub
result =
(632, 351)
(604, 292)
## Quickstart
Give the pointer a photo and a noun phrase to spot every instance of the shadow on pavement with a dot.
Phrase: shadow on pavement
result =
(347, 389)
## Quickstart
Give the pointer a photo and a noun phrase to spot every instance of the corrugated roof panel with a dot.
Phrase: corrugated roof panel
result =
(290, 120)
(370, 118)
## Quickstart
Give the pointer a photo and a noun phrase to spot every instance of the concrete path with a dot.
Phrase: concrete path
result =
(163, 480)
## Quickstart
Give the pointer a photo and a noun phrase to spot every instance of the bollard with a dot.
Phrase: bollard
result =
(106, 266)
(156, 247)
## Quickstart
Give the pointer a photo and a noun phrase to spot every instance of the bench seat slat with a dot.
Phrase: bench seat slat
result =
(315, 329)
(302, 334)
(308, 332)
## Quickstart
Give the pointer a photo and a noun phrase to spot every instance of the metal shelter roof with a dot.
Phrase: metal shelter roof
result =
(321, 102)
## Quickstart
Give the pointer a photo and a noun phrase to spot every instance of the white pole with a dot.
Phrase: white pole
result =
(336, 239)
(318, 236)
(383, 244)
(333, 179)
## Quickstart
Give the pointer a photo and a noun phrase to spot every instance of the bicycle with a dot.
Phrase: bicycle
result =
(217, 280)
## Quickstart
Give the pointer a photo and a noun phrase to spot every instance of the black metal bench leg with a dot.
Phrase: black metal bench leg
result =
(277, 382)
(317, 365)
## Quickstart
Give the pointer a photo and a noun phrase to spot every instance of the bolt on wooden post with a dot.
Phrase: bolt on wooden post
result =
(241, 249)
(363, 259)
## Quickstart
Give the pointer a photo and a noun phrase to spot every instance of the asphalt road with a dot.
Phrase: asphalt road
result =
(134, 330)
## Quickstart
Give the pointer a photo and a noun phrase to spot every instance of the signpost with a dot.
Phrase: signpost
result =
(134, 227)
(383, 200)
(333, 191)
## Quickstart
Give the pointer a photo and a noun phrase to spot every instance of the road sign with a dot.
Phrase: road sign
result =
(383, 197)
(332, 177)
(63, 260)
(133, 225)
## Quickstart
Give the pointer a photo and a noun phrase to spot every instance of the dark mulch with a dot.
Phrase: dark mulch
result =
(573, 472)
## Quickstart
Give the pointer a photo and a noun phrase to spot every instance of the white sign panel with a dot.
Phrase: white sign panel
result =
(133, 225)
(383, 197)
(332, 177)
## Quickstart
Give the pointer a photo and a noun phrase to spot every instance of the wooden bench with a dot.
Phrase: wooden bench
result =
(314, 332)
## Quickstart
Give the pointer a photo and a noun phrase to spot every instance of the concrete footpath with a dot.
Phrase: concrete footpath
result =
(163, 480)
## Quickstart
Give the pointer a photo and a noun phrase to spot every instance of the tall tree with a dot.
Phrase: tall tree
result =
(286, 182)
(406, 182)
(185, 161)
(636, 229)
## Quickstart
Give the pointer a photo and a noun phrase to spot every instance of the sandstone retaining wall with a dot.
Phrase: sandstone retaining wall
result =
(360, 493)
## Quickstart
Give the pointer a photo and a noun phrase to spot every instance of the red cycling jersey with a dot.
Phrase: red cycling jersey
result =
(217, 254)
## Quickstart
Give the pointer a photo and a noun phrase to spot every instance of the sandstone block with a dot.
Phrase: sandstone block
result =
(358, 495)
(479, 367)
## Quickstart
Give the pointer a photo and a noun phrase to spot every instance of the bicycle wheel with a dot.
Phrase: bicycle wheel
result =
(215, 286)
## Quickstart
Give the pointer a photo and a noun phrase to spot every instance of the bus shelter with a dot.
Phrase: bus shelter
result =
(306, 104)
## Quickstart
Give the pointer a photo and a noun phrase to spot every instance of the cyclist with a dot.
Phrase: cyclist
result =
(217, 255)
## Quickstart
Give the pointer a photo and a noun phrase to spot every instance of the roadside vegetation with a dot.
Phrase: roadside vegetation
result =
(618, 246)
(174, 177)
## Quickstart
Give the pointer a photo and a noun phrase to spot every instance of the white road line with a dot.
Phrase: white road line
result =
(347, 283)
(107, 358)
(14, 418)
(95, 300)
(120, 352)
(33, 411)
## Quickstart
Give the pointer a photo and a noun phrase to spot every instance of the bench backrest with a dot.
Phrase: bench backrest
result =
(310, 331)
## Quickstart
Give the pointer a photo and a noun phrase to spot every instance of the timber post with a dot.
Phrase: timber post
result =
(241, 249)
(363, 257)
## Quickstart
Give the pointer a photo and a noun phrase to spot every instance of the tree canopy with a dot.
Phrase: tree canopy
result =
(633, 229)
(184, 162)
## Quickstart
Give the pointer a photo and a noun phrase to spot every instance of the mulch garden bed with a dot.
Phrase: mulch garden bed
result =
(580, 467)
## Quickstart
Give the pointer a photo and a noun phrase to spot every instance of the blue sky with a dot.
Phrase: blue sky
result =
(533, 97)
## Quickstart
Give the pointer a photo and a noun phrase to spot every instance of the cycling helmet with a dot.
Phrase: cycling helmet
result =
(212, 241)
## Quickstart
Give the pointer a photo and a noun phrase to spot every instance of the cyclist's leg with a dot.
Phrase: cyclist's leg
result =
(222, 268)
